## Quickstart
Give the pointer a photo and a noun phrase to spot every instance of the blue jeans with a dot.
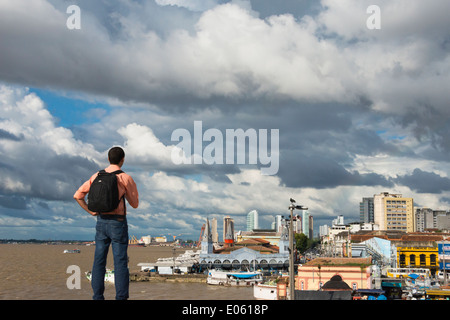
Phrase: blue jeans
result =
(109, 230)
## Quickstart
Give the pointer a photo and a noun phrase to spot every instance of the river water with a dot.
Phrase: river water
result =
(40, 272)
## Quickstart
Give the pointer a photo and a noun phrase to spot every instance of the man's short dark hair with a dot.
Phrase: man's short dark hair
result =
(115, 155)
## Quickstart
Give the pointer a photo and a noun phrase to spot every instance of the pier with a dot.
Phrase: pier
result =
(188, 278)
(154, 277)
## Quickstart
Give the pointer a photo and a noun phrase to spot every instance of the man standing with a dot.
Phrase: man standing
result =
(111, 228)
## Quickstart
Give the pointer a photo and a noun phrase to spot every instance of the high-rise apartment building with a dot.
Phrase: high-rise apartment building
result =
(214, 233)
(306, 223)
(323, 230)
(366, 210)
(339, 221)
(393, 212)
(252, 220)
(278, 223)
(298, 224)
(427, 218)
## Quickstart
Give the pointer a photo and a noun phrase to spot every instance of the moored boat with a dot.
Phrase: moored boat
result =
(265, 291)
(109, 275)
(72, 251)
(230, 278)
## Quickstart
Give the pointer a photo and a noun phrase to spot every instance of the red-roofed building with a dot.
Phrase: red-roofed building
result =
(260, 245)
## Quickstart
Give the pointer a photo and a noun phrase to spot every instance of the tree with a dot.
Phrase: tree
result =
(301, 242)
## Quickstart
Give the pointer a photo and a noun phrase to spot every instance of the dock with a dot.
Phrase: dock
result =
(154, 277)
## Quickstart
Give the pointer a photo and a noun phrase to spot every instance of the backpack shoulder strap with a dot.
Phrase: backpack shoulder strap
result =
(123, 197)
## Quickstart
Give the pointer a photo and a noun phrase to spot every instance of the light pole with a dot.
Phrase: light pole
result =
(444, 264)
(173, 259)
(291, 248)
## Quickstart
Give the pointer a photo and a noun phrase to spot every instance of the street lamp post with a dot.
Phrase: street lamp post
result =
(444, 264)
(291, 248)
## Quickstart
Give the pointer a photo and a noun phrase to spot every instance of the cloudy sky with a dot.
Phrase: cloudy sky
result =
(359, 110)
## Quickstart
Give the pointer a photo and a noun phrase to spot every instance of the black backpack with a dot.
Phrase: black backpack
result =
(104, 193)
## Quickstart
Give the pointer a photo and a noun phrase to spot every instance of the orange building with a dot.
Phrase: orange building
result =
(356, 272)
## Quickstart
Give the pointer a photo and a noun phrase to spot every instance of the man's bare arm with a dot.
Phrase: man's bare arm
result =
(84, 205)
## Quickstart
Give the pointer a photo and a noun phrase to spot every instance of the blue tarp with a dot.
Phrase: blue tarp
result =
(244, 275)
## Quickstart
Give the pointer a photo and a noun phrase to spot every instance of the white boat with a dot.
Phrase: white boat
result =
(72, 251)
(265, 291)
(181, 264)
(441, 277)
(109, 275)
(230, 278)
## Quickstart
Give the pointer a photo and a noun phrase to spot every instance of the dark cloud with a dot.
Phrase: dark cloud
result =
(14, 202)
(21, 214)
(297, 8)
(300, 170)
(9, 136)
(53, 177)
(424, 182)
(60, 176)
(428, 123)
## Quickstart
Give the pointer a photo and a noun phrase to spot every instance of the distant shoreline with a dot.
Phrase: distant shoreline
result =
(35, 241)
(81, 243)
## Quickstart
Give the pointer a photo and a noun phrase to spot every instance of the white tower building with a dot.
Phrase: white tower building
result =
(252, 220)
(207, 243)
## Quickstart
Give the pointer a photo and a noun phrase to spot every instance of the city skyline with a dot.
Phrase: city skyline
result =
(342, 103)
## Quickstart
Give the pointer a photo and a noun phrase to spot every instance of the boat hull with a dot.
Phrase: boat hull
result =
(109, 276)
(235, 279)
(265, 292)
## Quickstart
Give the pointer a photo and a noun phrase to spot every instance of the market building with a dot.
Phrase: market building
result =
(248, 254)
(355, 272)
